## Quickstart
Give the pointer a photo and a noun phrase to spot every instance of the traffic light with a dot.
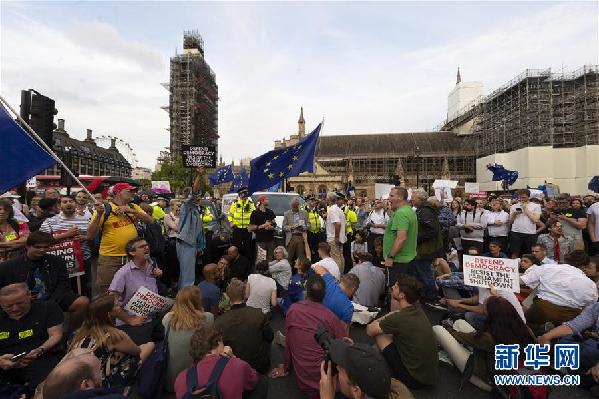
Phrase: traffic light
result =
(38, 111)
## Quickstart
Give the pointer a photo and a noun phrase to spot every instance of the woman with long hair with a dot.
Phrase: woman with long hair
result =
(180, 323)
(456, 207)
(119, 355)
(13, 234)
(503, 326)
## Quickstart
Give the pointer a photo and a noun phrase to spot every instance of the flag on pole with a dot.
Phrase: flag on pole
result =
(502, 174)
(274, 188)
(240, 180)
(277, 165)
(223, 174)
(20, 156)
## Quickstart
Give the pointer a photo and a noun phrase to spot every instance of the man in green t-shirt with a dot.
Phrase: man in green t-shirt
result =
(405, 337)
(401, 234)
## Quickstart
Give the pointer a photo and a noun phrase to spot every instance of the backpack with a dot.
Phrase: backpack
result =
(151, 375)
(210, 390)
(95, 243)
(152, 233)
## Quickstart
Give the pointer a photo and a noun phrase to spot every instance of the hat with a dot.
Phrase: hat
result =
(261, 198)
(340, 195)
(242, 190)
(161, 199)
(117, 188)
(8, 194)
(365, 366)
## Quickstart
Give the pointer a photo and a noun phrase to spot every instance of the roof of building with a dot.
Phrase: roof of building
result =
(395, 143)
(89, 148)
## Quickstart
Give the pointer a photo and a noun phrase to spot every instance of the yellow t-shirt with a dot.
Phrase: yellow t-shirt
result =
(117, 232)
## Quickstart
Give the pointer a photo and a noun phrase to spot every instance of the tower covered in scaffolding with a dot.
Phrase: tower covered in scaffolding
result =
(193, 102)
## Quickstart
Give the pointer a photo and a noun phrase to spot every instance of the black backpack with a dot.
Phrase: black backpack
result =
(152, 372)
(210, 390)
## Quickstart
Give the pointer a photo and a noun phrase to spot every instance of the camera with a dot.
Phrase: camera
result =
(518, 209)
(323, 339)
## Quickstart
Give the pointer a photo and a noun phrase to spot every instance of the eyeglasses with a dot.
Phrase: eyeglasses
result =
(143, 246)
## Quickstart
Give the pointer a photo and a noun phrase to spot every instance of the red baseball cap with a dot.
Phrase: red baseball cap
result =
(261, 198)
(117, 188)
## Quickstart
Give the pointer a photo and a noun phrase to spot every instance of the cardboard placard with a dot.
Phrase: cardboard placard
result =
(481, 271)
(199, 155)
(70, 252)
(145, 303)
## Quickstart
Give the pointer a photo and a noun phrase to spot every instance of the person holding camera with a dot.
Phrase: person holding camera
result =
(360, 371)
(306, 320)
(524, 216)
(472, 223)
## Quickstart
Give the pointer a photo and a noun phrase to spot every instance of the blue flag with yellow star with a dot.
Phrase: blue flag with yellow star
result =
(223, 174)
(277, 165)
(240, 181)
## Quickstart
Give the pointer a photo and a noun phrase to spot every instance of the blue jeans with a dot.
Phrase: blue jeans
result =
(589, 351)
(423, 271)
(186, 254)
(476, 320)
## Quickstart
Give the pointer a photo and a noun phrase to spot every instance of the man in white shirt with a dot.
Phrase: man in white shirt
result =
(335, 228)
(563, 291)
(524, 216)
(372, 281)
(376, 222)
(497, 224)
(593, 228)
(539, 251)
(324, 252)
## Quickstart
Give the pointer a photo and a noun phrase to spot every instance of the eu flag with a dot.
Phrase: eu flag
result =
(502, 174)
(240, 180)
(223, 174)
(21, 156)
(277, 165)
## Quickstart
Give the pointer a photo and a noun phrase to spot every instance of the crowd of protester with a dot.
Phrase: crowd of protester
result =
(401, 258)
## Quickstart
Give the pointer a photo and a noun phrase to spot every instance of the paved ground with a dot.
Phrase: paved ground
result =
(447, 386)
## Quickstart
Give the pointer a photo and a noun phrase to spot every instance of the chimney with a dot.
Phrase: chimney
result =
(89, 135)
(113, 142)
(61, 124)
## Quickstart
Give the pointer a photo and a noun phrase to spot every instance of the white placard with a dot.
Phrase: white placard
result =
(145, 302)
(161, 187)
(31, 183)
(481, 271)
(381, 190)
(535, 193)
(471, 188)
(445, 183)
(444, 194)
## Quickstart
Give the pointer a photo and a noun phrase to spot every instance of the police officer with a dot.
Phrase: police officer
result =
(315, 227)
(207, 219)
(351, 221)
(239, 217)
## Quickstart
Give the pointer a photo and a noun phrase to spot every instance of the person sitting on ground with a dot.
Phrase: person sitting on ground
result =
(78, 377)
(119, 355)
(324, 252)
(139, 272)
(540, 252)
(246, 329)
(362, 372)
(13, 234)
(31, 330)
(240, 265)
(526, 262)
(563, 291)
(494, 250)
(280, 269)
(238, 379)
(209, 290)
(186, 315)
(339, 294)
(223, 272)
(557, 246)
(591, 269)
(372, 281)
(302, 353)
(358, 245)
(46, 276)
(295, 290)
(261, 289)
(378, 257)
(502, 326)
(405, 337)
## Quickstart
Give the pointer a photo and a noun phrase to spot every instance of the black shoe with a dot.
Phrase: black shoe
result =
(435, 304)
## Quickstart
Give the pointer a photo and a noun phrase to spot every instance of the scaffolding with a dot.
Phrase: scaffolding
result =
(193, 103)
(540, 108)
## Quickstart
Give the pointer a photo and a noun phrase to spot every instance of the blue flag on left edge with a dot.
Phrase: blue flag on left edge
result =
(21, 157)
(277, 165)
(224, 174)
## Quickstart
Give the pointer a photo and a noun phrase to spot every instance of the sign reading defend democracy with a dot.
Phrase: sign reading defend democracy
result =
(481, 271)
(196, 155)
(145, 302)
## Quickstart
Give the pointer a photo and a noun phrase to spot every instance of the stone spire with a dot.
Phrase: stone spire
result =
(459, 77)
(301, 125)
(445, 174)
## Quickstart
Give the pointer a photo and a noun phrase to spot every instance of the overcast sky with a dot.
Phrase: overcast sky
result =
(365, 67)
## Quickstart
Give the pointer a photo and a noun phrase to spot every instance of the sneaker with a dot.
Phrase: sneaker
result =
(435, 304)
(279, 338)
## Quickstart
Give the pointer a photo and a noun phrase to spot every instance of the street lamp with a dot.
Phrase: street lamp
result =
(417, 155)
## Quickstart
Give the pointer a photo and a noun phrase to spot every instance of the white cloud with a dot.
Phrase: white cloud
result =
(99, 79)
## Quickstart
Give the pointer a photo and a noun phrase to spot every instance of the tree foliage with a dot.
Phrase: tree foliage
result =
(175, 173)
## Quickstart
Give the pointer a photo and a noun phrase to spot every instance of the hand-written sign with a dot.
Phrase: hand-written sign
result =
(70, 252)
(195, 155)
(145, 303)
(481, 271)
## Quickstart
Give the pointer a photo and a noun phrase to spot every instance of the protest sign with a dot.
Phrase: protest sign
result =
(481, 271)
(161, 187)
(444, 194)
(381, 190)
(70, 252)
(199, 155)
(439, 183)
(146, 303)
(471, 188)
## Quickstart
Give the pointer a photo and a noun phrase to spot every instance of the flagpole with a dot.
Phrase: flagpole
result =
(45, 146)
